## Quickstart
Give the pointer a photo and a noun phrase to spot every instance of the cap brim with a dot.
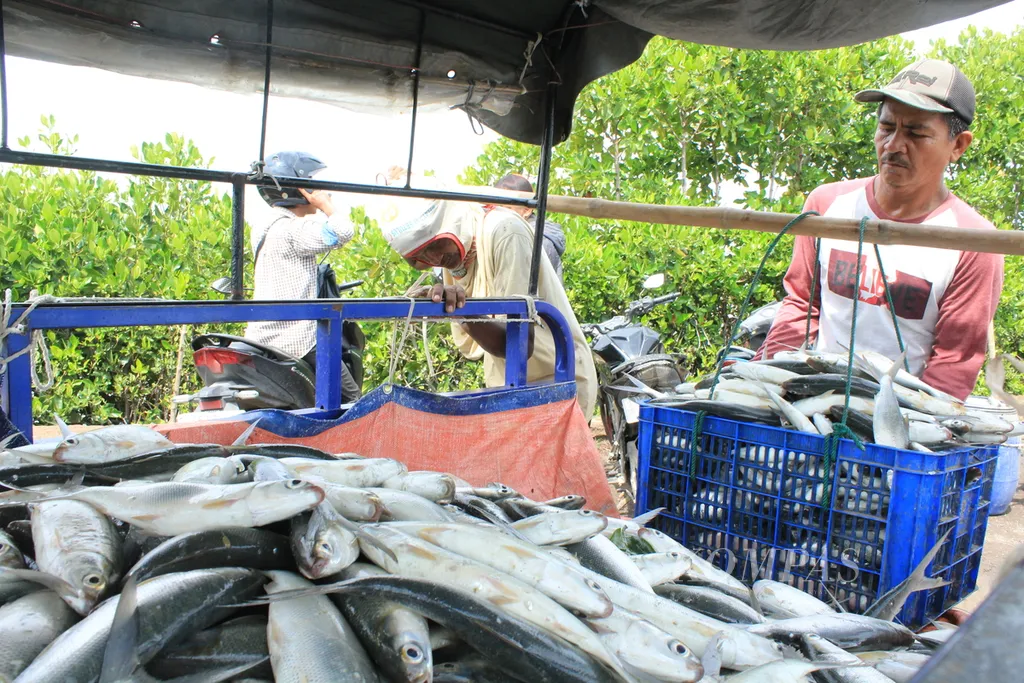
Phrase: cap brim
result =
(907, 97)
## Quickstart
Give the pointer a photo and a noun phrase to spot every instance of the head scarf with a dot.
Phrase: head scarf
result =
(409, 225)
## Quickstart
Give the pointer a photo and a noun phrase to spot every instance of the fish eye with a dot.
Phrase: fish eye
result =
(593, 584)
(294, 483)
(73, 441)
(325, 547)
(412, 653)
(94, 580)
(678, 648)
(586, 512)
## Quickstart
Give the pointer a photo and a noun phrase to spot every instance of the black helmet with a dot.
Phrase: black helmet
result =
(288, 165)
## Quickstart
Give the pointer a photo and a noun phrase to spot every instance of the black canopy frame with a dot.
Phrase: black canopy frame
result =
(238, 180)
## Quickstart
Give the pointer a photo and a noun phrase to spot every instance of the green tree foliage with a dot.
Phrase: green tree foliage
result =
(81, 234)
(689, 124)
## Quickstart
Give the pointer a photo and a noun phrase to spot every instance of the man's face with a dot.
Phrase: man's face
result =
(913, 146)
(441, 253)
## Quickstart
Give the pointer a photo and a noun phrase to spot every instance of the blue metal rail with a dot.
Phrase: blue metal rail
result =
(329, 314)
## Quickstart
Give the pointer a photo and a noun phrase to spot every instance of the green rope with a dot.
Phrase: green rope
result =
(698, 423)
(750, 293)
(892, 309)
(698, 426)
(841, 430)
(814, 289)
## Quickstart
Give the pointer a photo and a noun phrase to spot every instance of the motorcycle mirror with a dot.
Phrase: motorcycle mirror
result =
(654, 281)
(222, 285)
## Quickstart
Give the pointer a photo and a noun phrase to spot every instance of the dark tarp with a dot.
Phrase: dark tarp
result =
(493, 59)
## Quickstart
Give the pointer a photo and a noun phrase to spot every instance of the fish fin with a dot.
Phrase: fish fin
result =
(244, 436)
(897, 365)
(121, 656)
(212, 505)
(65, 431)
(496, 521)
(712, 659)
(917, 581)
(54, 583)
(9, 439)
(643, 387)
(321, 589)
(647, 517)
(835, 602)
(754, 602)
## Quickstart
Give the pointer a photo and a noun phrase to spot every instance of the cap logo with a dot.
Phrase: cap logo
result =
(915, 77)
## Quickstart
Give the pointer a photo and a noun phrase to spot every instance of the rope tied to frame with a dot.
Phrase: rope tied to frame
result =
(398, 343)
(471, 108)
(840, 430)
(698, 423)
(37, 341)
(531, 47)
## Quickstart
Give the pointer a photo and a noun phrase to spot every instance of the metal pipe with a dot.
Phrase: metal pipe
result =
(415, 96)
(3, 80)
(460, 16)
(543, 176)
(238, 238)
(266, 79)
(10, 156)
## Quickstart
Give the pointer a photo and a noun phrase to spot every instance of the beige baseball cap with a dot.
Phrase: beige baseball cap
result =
(931, 85)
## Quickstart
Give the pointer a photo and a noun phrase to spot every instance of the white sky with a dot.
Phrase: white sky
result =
(110, 113)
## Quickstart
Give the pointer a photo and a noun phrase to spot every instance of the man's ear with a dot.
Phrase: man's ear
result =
(960, 145)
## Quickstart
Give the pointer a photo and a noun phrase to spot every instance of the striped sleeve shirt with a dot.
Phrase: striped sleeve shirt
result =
(286, 268)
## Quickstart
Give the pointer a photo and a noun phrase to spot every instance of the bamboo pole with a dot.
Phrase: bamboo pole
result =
(724, 218)
(876, 231)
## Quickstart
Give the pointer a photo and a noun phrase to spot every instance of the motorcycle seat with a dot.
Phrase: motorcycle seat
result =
(242, 344)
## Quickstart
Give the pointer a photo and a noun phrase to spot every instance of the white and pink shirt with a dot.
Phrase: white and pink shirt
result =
(944, 299)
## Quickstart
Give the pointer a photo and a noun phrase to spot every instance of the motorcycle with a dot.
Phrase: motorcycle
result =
(624, 351)
(753, 330)
(239, 374)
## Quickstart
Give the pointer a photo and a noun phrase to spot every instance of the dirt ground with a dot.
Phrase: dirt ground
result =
(1004, 535)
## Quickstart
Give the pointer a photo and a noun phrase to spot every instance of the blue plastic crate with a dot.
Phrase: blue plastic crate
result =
(754, 507)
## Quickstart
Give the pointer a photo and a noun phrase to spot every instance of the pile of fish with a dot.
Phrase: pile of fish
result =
(124, 557)
(805, 390)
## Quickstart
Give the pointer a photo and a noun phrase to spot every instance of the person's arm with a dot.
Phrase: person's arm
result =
(491, 337)
(513, 251)
(788, 330)
(315, 234)
(961, 333)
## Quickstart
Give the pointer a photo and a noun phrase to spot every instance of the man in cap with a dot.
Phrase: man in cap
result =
(487, 252)
(944, 300)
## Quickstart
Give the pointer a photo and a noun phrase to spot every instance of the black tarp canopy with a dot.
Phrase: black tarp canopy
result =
(494, 59)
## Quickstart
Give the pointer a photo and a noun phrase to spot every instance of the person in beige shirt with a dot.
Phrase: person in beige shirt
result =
(487, 252)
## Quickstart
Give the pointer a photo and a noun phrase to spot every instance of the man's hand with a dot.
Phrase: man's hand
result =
(454, 296)
(319, 200)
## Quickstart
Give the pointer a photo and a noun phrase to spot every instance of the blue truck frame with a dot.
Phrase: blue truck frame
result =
(329, 314)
